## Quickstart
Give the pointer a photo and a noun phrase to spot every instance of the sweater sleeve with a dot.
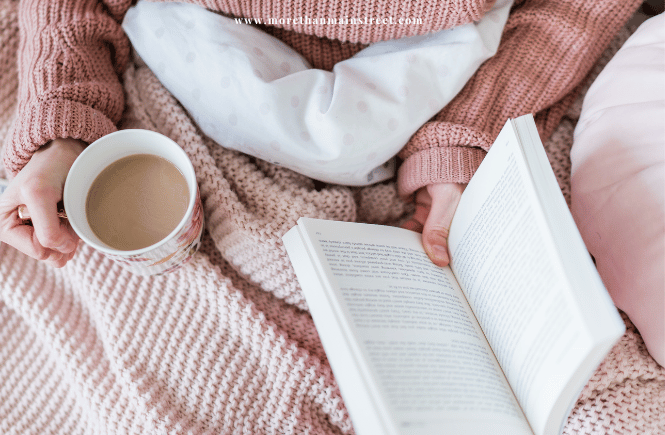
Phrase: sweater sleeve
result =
(547, 49)
(70, 57)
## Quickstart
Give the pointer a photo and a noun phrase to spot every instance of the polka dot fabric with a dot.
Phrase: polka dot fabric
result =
(248, 91)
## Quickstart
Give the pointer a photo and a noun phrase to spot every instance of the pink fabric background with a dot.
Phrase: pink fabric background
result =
(226, 344)
(618, 179)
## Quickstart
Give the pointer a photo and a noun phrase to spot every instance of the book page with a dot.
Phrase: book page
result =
(417, 344)
(505, 261)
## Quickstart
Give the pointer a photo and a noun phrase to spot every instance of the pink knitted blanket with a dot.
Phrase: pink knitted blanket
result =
(225, 344)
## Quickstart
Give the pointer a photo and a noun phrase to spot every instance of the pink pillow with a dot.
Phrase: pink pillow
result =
(618, 180)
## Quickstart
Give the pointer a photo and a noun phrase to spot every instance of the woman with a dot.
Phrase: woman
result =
(73, 52)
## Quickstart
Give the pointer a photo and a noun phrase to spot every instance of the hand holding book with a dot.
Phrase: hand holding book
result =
(500, 342)
(435, 208)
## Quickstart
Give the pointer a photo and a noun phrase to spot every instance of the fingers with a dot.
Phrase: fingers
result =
(444, 200)
(59, 259)
(413, 225)
(24, 238)
(51, 231)
(39, 187)
(423, 203)
(49, 239)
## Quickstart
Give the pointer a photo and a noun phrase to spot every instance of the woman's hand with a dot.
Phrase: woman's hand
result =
(39, 186)
(435, 207)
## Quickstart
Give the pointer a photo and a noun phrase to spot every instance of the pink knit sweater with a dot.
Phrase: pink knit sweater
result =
(72, 53)
(224, 345)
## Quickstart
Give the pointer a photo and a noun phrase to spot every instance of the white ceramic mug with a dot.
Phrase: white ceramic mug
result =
(170, 252)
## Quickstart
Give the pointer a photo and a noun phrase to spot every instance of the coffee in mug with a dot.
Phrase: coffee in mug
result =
(133, 195)
(136, 201)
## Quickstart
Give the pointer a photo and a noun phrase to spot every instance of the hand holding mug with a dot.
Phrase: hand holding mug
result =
(39, 187)
(63, 170)
(133, 195)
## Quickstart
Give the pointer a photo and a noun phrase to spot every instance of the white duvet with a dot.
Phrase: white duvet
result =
(250, 92)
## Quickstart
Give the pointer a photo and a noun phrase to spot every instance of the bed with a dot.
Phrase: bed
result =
(224, 344)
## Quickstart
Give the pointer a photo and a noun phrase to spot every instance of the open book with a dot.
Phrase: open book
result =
(501, 342)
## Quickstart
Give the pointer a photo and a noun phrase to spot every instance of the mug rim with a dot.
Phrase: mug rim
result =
(191, 185)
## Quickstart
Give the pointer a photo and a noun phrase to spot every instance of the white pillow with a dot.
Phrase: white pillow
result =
(618, 180)
(251, 92)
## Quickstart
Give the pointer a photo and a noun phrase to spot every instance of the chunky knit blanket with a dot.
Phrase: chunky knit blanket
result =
(225, 344)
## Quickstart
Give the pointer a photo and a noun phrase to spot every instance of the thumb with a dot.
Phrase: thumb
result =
(445, 197)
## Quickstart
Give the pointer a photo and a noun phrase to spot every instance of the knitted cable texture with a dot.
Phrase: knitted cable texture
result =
(547, 48)
(434, 16)
(225, 344)
(8, 71)
(321, 53)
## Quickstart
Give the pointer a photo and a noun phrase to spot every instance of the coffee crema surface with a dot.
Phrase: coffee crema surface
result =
(136, 201)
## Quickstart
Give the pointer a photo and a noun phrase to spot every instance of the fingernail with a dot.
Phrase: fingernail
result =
(67, 247)
(55, 256)
(440, 252)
